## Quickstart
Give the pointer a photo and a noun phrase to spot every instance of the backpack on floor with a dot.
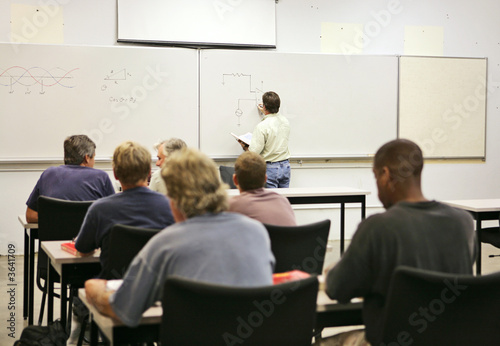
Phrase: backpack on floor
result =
(51, 335)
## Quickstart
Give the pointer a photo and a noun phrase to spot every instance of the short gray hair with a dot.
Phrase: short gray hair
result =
(76, 147)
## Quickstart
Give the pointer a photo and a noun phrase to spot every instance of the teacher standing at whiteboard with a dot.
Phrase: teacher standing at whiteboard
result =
(270, 140)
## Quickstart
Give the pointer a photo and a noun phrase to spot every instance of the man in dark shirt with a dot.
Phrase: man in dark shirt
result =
(76, 180)
(136, 206)
(413, 231)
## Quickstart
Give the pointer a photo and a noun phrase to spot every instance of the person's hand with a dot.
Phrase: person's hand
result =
(243, 145)
(260, 107)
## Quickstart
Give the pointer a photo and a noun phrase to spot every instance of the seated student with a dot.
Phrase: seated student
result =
(164, 149)
(206, 243)
(135, 206)
(259, 204)
(76, 180)
(413, 231)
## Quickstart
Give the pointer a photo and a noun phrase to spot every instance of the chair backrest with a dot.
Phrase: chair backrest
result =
(433, 308)
(226, 175)
(58, 220)
(124, 243)
(196, 313)
(299, 247)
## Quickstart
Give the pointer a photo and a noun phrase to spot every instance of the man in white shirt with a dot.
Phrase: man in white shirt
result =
(164, 149)
(270, 140)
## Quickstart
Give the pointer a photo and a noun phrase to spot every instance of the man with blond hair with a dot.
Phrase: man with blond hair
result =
(164, 149)
(206, 244)
(254, 201)
(135, 206)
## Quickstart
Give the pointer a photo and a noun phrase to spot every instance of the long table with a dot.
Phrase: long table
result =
(73, 270)
(30, 235)
(329, 314)
(481, 210)
(323, 195)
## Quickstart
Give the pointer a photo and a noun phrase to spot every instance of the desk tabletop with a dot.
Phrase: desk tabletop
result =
(476, 205)
(59, 256)
(312, 191)
(153, 314)
(106, 324)
(26, 224)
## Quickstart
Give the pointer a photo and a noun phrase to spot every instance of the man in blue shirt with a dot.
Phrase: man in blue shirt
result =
(76, 180)
(136, 206)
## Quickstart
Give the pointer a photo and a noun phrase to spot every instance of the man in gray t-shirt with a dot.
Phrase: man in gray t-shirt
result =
(206, 244)
(413, 232)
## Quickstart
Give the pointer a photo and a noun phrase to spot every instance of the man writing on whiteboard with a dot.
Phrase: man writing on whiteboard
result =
(270, 140)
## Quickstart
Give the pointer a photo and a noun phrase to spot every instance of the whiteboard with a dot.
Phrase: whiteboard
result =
(443, 105)
(112, 94)
(337, 105)
(198, 22)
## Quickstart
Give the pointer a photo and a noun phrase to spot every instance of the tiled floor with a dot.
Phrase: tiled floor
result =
(11, 292)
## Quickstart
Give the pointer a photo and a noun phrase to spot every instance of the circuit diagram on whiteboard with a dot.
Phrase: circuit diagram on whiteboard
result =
(254, 92)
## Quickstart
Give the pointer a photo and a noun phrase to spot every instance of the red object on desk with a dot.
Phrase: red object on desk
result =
(70, 247)
(279, 278)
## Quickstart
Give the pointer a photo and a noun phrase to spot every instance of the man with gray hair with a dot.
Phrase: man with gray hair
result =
(164, 149)
(76, 180)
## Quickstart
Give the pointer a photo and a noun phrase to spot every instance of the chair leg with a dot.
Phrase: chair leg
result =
(40, 317)
(82, 331)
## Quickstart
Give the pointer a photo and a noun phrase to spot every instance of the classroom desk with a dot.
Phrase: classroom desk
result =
(323, 195)
(481, 210)
(73, 270)
(30, 234)
(329, 314)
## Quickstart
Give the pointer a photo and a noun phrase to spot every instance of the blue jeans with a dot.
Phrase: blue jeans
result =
(278, 174)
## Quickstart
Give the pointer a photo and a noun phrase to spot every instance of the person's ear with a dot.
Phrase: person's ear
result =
(235, 180)
(178, 215)
(388, 179)
(86, 159)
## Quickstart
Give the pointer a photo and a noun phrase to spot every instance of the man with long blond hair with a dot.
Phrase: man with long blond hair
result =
(206, 244)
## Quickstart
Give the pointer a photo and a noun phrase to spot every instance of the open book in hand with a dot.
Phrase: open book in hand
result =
(246, 138)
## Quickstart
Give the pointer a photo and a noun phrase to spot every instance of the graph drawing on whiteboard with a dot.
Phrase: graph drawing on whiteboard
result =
(36, 77)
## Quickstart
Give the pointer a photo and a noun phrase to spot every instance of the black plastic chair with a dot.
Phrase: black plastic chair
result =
(491, 235)
(124, 243)
(57, 220)
(299, 247)
(226, 175)
(197, 313)
(433, 308)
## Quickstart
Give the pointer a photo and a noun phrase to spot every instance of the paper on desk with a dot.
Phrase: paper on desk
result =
(113, 285)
